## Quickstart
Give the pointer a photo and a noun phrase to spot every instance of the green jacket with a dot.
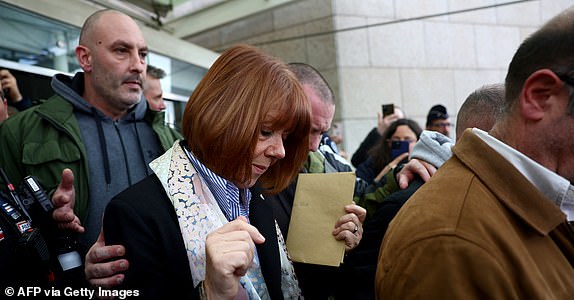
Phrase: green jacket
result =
(45, 139)
(371, 196)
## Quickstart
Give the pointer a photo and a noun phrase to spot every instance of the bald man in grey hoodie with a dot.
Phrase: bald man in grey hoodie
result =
(95, 136)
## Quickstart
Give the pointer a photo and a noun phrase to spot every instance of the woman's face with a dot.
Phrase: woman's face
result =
(404, 133)
(269, 150)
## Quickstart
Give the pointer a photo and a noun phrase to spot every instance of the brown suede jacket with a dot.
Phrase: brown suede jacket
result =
(477, 230)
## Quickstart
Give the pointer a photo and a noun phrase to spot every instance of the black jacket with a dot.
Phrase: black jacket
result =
(362, 261)
(362, 153)
(143, 219)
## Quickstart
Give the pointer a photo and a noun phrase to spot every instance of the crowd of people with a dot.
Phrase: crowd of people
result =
(204, 213)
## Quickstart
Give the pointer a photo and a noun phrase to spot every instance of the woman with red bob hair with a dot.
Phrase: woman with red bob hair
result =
(194, 229)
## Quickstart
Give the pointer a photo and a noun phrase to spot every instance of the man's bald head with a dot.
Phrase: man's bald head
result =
(481, 108)
(112, 53)
(93, 24)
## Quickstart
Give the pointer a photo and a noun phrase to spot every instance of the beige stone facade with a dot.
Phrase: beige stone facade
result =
(413, 53)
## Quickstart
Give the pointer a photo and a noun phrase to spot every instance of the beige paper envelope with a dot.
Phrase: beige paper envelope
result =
(319, 202)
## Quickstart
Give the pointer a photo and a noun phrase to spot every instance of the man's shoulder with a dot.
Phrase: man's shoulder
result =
(436, 206)
(31, 117)
(338, 162)
(22, 119)
(454, 203)
(157, 121)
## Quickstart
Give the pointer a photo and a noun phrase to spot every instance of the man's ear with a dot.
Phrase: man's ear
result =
(538, 89)
(84, 58)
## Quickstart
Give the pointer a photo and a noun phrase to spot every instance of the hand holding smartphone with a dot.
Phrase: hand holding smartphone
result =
(388, 109)
(398, 148)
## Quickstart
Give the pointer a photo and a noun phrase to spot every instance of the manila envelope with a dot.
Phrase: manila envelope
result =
(319, 202)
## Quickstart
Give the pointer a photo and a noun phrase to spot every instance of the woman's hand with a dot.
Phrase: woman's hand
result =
(229, 250)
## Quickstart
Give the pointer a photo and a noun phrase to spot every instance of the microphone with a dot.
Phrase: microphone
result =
(30, 243)
(67, 246)
(13, 194)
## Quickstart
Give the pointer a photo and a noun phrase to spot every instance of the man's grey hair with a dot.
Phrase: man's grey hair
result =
(306, 74)
(481, 108)
(155, 72)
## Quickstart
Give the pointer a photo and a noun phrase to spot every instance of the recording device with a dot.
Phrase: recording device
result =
(388, 109)
(38, 194)
(30, 246)
(13, 194)
(66, 245)
(398, 148)
(61, 245)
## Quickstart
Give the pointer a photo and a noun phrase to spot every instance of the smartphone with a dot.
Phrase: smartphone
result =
(388, 109)
(398, 148)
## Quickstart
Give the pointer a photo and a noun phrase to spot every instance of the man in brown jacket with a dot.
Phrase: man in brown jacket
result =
(494, 221)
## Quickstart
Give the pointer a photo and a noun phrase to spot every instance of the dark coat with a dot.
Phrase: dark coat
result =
(362, 261)
(143, 219)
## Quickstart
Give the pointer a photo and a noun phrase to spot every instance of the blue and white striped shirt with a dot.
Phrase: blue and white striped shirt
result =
(225, 192)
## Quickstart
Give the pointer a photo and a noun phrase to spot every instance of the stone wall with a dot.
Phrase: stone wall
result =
(413, 53)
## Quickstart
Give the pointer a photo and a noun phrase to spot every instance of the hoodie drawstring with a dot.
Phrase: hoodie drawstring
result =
(104, 147)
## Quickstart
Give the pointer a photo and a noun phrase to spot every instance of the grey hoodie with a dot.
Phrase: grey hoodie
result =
(118, 151)
(433, 147)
